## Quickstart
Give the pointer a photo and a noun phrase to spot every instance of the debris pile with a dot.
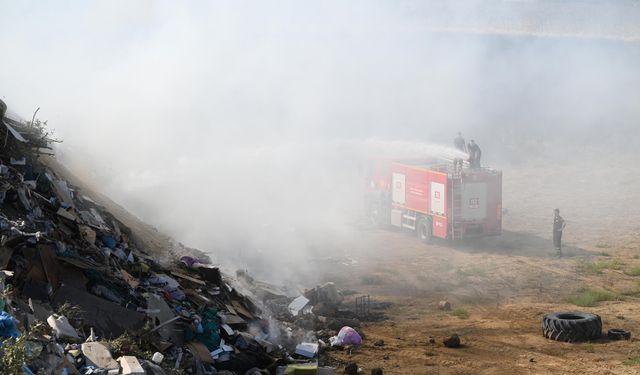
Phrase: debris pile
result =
(78, 296)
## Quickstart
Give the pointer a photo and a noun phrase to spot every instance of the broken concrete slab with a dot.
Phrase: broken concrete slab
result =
(130, 365)
(97, 354)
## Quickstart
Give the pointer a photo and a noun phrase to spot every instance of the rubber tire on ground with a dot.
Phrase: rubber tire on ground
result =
(618, 334)
(572, 326)
(423, 229)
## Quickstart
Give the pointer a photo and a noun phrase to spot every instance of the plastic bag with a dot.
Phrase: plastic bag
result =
(8, 326)
(346, 336)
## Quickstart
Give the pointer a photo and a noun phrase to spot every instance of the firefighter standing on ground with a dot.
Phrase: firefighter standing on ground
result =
(558, 227)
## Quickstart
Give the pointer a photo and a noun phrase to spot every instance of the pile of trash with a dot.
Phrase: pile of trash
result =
(78, 296)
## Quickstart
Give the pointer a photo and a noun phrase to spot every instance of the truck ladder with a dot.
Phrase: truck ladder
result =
(409, 220)
(456, 210)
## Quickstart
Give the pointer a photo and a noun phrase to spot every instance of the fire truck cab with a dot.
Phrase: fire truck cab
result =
(436, 199)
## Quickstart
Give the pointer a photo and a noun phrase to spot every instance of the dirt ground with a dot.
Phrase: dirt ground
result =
(506, 284)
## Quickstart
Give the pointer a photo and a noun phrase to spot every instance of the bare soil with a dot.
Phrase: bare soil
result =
(507, 283)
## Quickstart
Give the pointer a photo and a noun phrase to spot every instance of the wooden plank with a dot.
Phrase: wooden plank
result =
(186, 277)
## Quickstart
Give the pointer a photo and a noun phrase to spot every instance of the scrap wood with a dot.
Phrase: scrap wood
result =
(186, 277)
(49, 264)
(242, 310)
(132, 281)
(165, 323)
(199, 298)
(161, 345)
(231, 319)
(230, 309)
(200, 351)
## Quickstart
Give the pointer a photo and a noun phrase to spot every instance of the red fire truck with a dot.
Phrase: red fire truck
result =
(436, 199)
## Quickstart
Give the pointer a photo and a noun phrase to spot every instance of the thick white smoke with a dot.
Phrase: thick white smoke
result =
(238, 127)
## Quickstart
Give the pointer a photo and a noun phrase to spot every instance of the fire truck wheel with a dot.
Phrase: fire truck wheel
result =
(424, 229)
(571, 326)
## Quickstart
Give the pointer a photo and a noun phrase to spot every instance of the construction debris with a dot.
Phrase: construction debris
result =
(83, 293)
(98, 355)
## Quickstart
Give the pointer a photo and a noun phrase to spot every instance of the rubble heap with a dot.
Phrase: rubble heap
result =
(77, 296)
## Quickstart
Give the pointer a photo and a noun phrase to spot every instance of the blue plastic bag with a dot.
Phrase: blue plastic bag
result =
(8, 326)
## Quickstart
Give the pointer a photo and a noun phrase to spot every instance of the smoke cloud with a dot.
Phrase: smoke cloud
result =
(240, 127)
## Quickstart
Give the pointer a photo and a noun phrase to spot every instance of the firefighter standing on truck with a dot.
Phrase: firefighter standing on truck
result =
(558, 227)
(474, 154)
(461, 145)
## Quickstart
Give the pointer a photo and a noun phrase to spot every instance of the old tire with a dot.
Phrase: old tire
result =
(423, 229)
(618, 334)
(572, 326)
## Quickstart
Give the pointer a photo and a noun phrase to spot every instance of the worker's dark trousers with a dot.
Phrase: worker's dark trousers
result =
(557, 241)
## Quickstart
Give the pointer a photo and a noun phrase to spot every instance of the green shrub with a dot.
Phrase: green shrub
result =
(589, 297)
(598, 266)
(460, 313)
(635, 271)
